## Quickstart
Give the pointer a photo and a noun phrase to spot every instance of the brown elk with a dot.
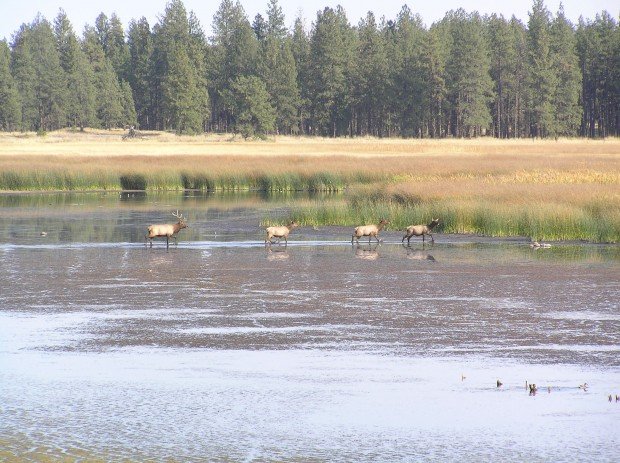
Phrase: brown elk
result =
(369, 231)
(420, 230)
(280, 232)
(167, 230)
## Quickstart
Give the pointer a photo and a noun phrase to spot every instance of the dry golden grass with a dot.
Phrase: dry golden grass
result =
(109, 143)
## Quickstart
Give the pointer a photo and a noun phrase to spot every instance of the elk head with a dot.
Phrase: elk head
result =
(182, 223)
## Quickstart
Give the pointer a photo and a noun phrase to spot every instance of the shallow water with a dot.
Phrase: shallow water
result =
(222, 349)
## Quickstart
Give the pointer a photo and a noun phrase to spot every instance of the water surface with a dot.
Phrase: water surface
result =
(222, 349)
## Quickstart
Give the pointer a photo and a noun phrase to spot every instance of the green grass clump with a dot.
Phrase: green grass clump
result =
(133, 182)
(39, 180)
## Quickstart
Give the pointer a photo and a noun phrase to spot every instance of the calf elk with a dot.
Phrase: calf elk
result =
(420, 230)
(369, 231)
(167, 230)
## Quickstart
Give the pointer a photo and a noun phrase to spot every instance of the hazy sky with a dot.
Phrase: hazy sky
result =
(80, 12)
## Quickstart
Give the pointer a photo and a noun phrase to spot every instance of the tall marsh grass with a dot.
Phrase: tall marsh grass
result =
(595, 220)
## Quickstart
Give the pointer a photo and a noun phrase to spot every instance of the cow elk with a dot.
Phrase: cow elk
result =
(420, 230)
(280, 232)
(167, 230)
(368, 230)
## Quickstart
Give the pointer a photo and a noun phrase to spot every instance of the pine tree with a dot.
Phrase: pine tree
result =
(567, 112)
(435, 97)
(36, 68)
(49, 93)
(300, 47)
(197, 52)
(80, 91)
(468, 75)
(371, 73)
(112, 39)
(541, 76)
(129, 116)
(109, 97)
(598, 44)
(408, 85)
(177, 71)
(140, 44)
(502, 53)
(234, 53)
(10, 108)
(515, 87)
(179, 89)
(252, 113)
(24, 74)
(279, 72)
(332, 45)
(259, 26)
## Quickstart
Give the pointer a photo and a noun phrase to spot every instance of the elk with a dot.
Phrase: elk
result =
(280, 232)
(369, 231)
(167, 230)
(420, 230)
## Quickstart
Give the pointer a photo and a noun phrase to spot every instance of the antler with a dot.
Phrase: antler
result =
(178, 216)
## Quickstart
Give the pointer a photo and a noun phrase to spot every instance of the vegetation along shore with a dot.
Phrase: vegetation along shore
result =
(553, 190)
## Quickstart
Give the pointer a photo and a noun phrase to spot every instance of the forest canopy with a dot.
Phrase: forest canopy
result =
(466, 75)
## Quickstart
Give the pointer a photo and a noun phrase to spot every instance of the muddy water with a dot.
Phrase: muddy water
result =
(222, 349)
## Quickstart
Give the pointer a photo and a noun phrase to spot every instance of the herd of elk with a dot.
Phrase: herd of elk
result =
(279, 232)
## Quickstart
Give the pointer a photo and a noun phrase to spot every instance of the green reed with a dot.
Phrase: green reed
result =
(544, 221)
(80, 180)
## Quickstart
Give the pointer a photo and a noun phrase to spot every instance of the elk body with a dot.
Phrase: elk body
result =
(279, 232)
(420, 230)
(167, 230)
(368, 230)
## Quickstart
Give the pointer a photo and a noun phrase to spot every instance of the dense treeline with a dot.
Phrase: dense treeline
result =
(465, 76)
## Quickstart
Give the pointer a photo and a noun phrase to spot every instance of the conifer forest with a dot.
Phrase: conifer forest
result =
(465, 75)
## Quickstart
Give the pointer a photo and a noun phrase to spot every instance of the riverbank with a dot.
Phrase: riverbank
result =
(554, 190)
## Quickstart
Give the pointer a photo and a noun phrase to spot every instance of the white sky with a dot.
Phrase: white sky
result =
(80, 12)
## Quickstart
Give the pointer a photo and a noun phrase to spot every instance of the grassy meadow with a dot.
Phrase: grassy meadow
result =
(544, 189)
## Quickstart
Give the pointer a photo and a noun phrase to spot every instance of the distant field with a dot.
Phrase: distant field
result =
(566, 189)
(67, 143)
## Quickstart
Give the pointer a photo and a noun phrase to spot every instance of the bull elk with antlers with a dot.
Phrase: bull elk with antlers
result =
(167, 230)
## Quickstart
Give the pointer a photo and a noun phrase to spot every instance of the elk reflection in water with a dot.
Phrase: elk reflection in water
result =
(367, 252)
(277, 254)
(418, 254)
